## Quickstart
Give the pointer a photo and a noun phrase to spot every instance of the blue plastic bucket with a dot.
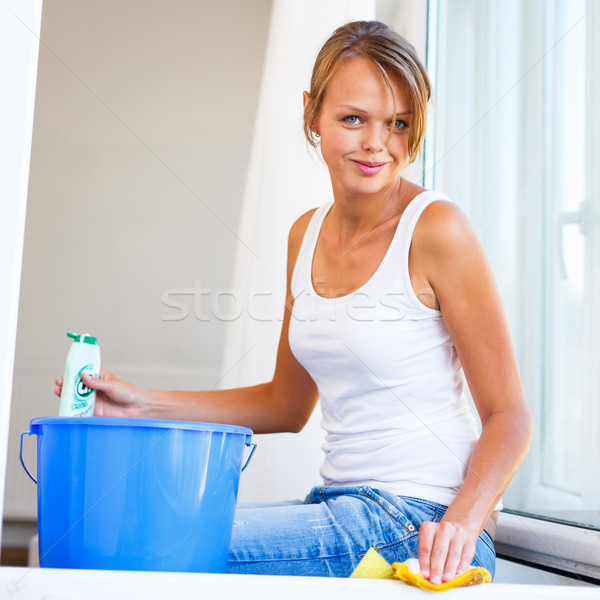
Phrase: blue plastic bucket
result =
(136, 494)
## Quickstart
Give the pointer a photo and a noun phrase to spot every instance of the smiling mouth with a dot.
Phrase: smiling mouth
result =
(369, 168)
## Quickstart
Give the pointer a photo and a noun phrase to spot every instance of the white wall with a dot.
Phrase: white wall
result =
(143, 124)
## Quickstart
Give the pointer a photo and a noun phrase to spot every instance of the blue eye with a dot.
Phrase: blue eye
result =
(398, 124)
(352, 120)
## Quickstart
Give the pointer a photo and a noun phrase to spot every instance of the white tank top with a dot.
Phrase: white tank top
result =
(389, 379)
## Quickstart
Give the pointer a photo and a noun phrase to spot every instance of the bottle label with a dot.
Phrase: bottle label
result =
(83, 395)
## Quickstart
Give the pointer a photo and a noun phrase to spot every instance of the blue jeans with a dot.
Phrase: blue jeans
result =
(331, 530)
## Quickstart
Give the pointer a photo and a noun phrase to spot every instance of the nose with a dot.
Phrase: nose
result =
(375, 137)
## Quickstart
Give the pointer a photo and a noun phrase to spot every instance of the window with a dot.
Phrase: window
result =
(516, 143)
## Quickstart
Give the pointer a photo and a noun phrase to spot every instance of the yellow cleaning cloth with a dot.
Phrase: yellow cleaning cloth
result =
(374, 566)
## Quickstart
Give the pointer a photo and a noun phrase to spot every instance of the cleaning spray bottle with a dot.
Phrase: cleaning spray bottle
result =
(76, 399)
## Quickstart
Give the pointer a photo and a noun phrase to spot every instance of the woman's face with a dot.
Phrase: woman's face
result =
(354, 126)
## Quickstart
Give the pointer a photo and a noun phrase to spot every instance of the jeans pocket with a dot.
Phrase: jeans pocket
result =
(391, 507)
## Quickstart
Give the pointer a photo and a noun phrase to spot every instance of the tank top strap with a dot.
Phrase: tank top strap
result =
(395, 263)
(302, 274)
(409, 218)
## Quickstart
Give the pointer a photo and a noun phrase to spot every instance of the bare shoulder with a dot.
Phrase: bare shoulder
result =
(446, 249)
(296, 235)
(444, 218)
(443, 230)
(297, 231)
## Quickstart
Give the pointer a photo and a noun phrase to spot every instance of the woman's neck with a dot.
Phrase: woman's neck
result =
(355, 214)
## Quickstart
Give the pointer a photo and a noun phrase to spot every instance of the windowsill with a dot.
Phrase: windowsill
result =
(564, 548)
(29, 584)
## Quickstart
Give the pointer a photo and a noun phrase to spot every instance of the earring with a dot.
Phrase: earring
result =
(317, 135)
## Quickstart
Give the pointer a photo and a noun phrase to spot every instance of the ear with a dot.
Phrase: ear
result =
(305, 99)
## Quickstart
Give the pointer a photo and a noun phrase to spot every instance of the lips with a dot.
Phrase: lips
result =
(369, 168)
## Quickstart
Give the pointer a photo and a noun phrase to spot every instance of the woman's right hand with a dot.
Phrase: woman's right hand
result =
(114, 396)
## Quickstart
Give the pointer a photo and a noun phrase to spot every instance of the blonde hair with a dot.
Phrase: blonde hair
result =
(393, 55)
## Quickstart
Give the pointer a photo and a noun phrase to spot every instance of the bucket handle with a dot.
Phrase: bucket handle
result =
(21, 456)
(247, 460)
(23, 433)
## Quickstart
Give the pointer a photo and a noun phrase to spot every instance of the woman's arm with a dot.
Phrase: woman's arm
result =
(283, 404)
(459, 273)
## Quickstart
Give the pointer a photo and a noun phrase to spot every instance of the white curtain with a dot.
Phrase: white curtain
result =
(517, 134)
(591, 343)
(285, 179)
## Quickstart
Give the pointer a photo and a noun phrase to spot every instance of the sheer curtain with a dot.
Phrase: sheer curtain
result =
(517, 136)
(285, 179)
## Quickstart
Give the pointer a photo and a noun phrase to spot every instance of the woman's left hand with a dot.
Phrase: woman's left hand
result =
(445, 551)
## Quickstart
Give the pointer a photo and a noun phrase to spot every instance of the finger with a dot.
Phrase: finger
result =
(58, 381)
(467, 558)
(58, 391)
(439, 552)
(94, 383)
(453, 558)
(426, 536)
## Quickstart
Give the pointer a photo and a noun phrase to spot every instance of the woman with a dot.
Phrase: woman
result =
(389, 298)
